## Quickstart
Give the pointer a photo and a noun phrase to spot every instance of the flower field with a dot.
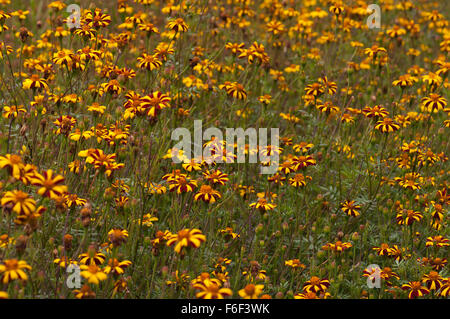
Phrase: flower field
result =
(98, 201)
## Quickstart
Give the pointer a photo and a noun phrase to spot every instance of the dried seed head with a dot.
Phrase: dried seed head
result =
(21, 244)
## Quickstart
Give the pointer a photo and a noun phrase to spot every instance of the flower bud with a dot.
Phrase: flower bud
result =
(67, 241)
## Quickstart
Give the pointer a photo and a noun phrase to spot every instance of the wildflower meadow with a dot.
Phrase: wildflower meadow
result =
(237, 149)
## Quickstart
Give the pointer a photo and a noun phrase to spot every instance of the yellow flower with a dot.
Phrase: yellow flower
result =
(84, 293)
(294, 263)
(13, 163)
(93, 273)
(13, 111)
(116, 267)
(147, 220)
(21, 202)
(35, 82)
(263, 204)
(207, 194)
(211, 290)
(50, 184)
(11, 269)
(57, 5)
(186, 238)
(251, 291)
(117, 236)
(96, 107)
(177, 25)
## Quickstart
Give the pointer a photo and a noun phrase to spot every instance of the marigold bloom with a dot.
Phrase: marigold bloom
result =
(21, 203)
(407, 217)
(117, 236)
(154, 188)
(155, 102)
(5, 240)
(405, 81)
(432, 280)
(383, 250)
(149, 62)
(303, 161)
(101, 160)
(174, 175)
(63, 262)
(387, 125)
(216, 177)
(235, 90)
(275, 27)
(92, 273)
(432, 79)
(337, 8)
(255, 273)
(211, 290)
(163, 50)
(434, 102)
(375, 111)
(51, 185)
(207, 194)
(63, 57)
(115, 266)
(228, 233)
(13, 111)
(161, 237)
(255, 52)
(251, 291)
(92, 258)
(286, 167)
(84, 293)
(112, 87)
(35, 82)
(328, 108)
(387, 274)
(438, 241)
(351, 208)
(337, 247)
(181, 280)
(409, 181)
(13, 269)
(177, 25)
(147, 220)
(86, 31)
(182, 185)
(148, 27)
(262, 204)
(13, 163)
(315, 284)
(397, 253)
(306, 295)
(265, 99)
(299, 180)
(445, 288)
(314, 89)
(192, 165)
(374, 51)
(235, 48)
(65, 124)
(437, 263)
(97, 19)
(294, 263)
(186, 238)
(415, 289)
